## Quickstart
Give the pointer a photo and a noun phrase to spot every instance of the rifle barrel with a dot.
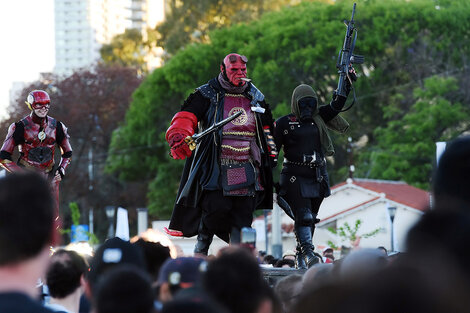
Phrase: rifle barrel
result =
(354, 10)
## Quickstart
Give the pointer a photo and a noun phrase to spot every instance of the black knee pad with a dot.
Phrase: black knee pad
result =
(304, 217)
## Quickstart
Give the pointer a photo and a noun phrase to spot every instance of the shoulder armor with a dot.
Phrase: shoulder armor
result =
(256, 96)
(52, 121)
(208, 92)
(24, 121)
(13, 129)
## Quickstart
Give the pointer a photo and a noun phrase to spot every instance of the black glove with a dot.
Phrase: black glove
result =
(352, 76)
(61, 172)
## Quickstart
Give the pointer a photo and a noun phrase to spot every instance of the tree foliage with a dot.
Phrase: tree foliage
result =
(127, 49)
(191, 21)
(404, 42)
(75, 216)
(350, 234)
(405, 149)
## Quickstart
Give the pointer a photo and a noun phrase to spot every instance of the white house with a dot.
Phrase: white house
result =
(369, 201)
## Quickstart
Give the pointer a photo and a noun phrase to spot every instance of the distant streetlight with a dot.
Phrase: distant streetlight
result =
(110, 212)
(392, 211)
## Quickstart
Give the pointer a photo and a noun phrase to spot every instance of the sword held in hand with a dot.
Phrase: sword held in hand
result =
(193, 140)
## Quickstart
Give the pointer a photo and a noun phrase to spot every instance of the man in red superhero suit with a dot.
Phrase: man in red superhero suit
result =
(228, 175)
(36, 136)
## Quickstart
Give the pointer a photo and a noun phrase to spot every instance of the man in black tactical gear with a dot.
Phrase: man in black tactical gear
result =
(304, 180)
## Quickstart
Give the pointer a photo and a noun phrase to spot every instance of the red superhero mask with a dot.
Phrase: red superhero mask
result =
(38, 99)
(235, 68)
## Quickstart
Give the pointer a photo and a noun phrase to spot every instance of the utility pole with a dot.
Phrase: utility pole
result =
(96, 129)
(90, 181)
(276, 232)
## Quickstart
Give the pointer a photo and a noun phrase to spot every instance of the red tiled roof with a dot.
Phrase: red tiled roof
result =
(349, 209)
(396, 191)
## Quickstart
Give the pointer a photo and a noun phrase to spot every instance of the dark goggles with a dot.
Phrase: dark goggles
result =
(39, 106)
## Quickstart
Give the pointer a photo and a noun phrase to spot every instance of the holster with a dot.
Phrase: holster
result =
(319, 177)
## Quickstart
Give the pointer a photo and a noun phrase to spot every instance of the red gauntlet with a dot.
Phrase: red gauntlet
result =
(183, 125)
(270, 140)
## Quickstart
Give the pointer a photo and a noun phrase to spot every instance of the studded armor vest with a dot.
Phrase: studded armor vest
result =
(238, 141)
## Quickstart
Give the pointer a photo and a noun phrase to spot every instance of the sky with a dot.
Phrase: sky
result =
(27, 43)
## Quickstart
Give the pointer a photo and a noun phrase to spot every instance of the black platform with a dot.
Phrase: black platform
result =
(273, 274)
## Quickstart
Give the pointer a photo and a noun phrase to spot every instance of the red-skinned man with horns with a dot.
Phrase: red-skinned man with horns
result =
(228, 175)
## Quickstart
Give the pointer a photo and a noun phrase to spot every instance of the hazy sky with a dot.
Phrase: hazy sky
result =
(27, 43)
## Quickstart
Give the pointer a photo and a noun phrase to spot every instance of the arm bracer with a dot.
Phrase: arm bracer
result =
(183, 123)
(65, 149)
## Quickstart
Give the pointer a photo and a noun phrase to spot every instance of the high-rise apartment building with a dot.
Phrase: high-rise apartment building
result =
(83, 26)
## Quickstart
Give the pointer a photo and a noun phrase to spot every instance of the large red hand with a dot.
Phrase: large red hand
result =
(183, 124)
(179, 149)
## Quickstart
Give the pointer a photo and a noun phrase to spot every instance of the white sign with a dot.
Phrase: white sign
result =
(122, 224)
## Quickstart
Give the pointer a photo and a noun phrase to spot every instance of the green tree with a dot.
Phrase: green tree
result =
(191, 21)
(75, 215)
(403, 41)
(350, 234)
(406, 146)
(127, 49)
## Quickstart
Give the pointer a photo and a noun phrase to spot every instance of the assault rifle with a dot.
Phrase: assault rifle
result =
(346, 57)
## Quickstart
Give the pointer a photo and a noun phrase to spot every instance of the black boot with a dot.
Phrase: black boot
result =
(204, 240)
(299, 259)
(304, 234)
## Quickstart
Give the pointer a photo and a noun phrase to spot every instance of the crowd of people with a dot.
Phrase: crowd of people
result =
(122, 277)
(225, 179)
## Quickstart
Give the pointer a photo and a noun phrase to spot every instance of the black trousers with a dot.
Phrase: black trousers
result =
(221, 213)
(301, 192)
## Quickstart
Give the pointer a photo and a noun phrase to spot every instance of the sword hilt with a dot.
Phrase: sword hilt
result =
(190, 142)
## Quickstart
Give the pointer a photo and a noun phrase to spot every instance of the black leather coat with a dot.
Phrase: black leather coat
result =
(202, 170)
